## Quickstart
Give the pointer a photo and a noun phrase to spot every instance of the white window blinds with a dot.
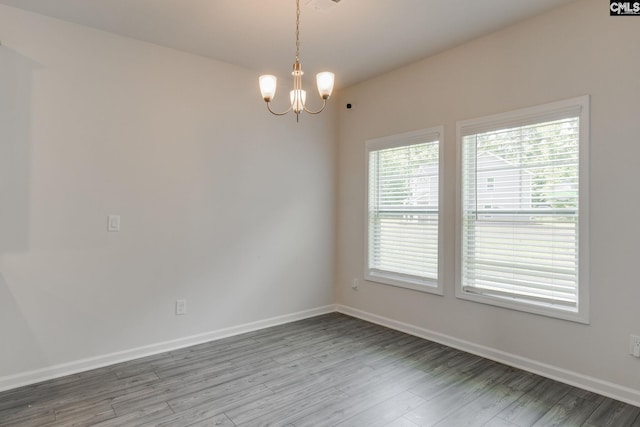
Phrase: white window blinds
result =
(403, 210)
(521, 212)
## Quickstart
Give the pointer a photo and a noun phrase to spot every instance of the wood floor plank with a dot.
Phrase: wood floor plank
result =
(535, 403)
(490, 401)
(363, 395)
(221, 403)
(217, 421)
(448, 371)
(39, 418)
(283, 411)
(572, 410)
(321, 376)
(401, 422)
(192, 416)
(330, 370)
(77, 394)
(174, 387)
(83, 419)
(612, 413)
(386, 412)
(139, 417)
(499, 422)
(457, 396)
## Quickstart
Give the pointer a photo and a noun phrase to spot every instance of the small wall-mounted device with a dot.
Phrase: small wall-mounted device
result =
(349, 106)
(113, 223)
(181, 307)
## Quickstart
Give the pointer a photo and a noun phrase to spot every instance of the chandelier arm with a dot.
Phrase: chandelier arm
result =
(324, 104)
(276, 113)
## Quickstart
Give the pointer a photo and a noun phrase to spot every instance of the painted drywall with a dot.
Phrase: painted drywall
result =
(221, 203)
(575, 50)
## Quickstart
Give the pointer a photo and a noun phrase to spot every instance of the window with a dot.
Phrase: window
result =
(403, 228)
(522, 241)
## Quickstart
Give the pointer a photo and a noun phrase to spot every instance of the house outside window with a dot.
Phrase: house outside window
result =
(491, 183)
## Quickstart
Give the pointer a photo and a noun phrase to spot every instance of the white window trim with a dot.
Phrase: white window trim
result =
(435, 133)
(517, 118)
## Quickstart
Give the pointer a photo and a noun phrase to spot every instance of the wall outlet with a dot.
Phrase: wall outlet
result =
(113, 223)
(181, 307)
(634, 345)
(355, 284)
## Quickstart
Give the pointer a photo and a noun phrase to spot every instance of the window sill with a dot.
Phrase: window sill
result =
(557, 312)
(407, 282)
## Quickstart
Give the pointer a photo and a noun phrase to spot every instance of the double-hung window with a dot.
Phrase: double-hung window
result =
(403, 209)
(523, 210)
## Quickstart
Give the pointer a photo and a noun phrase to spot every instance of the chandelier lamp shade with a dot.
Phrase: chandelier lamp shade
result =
(297, 96)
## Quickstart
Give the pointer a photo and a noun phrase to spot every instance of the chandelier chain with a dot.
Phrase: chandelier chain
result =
(297, 30)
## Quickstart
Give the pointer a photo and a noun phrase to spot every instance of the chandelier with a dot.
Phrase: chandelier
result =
(298, 96)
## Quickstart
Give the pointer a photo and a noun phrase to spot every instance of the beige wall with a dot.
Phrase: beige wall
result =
(572, 51)
(221, 203)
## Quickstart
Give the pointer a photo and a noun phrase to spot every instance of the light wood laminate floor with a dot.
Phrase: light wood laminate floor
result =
(331, 370)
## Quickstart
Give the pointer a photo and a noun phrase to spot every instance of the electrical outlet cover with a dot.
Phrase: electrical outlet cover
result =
(181, 307)
(634, 343)
(113, 223)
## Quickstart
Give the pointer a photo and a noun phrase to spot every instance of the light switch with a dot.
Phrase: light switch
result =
(113, 223)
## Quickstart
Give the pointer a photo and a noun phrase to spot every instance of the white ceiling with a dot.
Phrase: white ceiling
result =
(356, 39)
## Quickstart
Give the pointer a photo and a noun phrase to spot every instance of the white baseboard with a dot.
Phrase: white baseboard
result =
(56, 371)
(596, 385)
